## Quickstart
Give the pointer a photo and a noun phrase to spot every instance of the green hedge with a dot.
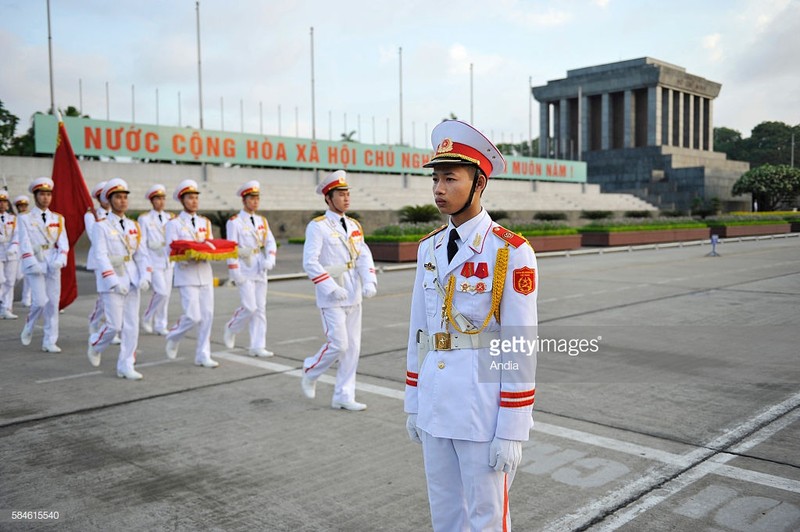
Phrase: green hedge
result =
(642, 224)
(732, 221)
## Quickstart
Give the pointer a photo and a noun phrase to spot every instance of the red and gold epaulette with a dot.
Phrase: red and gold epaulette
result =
(509, 236)
(234, 217)
(433, 232)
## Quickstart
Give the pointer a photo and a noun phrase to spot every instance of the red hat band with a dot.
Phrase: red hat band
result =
(462, 152)
(341, 183)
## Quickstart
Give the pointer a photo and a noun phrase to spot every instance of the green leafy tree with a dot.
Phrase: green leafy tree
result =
(726, 139)
(419, 213)
(772, 186)
(768, 143)
(348, 137)
(8, 124)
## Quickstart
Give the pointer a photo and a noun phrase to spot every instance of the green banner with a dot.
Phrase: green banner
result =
(103, 138)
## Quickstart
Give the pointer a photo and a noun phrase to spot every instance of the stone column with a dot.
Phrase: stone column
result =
(677, 96)
(605, 121)
(585, 123)
(544, 127)
(667, 112)
(710, 124)
(654, 116)
(701, 128)
(690, 125)
(563, 128)
(629, 116)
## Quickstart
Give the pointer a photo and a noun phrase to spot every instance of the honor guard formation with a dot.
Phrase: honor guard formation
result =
(475, 285)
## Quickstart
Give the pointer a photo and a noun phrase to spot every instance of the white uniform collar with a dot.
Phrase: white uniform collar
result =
(476, 224)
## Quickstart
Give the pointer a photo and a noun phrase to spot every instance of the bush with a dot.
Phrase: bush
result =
(677, 213)
(596, 215)
(498, 215)
(639, 224)
(727, 221)
(638, 214)
(550, 216)
(703, 208)
(419, 213)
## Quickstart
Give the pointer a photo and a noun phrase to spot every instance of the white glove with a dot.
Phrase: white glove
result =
(270, 263)
(121, 289)
(411, 428)
(339, 294)
(144, 285)
(369, 290)
(235, 275)
(505, 455)
(59, 262)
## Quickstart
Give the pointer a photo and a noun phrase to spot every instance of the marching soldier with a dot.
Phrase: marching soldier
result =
(257, 249)
(469, 402)
(21, 203)
(153, 224)
(44, 247)
(194, 278)
(89, 220)
(9, 257)
(122, 266)
(340, 265)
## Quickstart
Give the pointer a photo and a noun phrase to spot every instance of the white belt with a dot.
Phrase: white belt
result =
(443, 341)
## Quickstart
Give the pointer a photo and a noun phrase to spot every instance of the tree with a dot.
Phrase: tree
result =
(8, 124)
(770, 185)
(769, 143)
(348, 137)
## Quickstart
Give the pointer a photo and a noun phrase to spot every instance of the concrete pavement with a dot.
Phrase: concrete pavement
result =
(686, 417)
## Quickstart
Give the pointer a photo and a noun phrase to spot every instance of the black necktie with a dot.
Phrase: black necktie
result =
(159, 218)
(452, 247)
(44, 218)
(344, 225)
(3, 218)
(252, 221)
(193, 223)
(122, 225)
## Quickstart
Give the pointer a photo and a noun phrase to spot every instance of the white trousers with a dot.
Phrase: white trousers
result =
(198, 311)
(464, 493)
(342, 326)
(121, 317)
(45, 294)
(156, 310)
(8, 278)
(26, 289)
(98, 316)
(253, 312)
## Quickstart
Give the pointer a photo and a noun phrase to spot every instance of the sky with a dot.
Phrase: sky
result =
(472, 59)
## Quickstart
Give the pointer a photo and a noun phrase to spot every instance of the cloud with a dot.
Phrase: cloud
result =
(712, 44)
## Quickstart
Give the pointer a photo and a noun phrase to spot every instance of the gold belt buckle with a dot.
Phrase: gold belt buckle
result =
(45, 246)
(349, 265)
(126, 258)
(442, 341)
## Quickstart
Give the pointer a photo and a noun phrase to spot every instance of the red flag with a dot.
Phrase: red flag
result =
(71, 199)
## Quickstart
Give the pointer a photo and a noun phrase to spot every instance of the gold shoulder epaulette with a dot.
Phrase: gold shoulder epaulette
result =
(509, 236)
(319, 218)
(437, 230)
(234, 216)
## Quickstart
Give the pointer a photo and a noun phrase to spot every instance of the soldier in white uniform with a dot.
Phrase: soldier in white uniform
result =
(21, 203)
(256, 256)
(9, 257)
(194, 278)
(340, 265)
(89, 220)
(469, 397)
(122, 265)
(153, 224)
(44, 247)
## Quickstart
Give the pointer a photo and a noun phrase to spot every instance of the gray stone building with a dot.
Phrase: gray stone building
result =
(644, 127)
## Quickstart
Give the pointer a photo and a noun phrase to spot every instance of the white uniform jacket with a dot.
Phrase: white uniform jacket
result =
(9, 238)
(89, 221)
(120, 257)
(43, 242)
(450, 393)
(257, 246)
(334, 258)
(154, 238)
(190, 272)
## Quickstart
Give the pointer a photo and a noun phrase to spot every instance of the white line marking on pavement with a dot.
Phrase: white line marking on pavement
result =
(158, 362)
(298, 340)
(294, 372)
(67, 377)
(581, 517)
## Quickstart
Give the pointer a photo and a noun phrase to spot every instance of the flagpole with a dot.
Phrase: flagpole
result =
(200, 82)
(50, 57)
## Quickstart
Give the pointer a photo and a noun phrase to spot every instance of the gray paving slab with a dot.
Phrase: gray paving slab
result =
(686, 418)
